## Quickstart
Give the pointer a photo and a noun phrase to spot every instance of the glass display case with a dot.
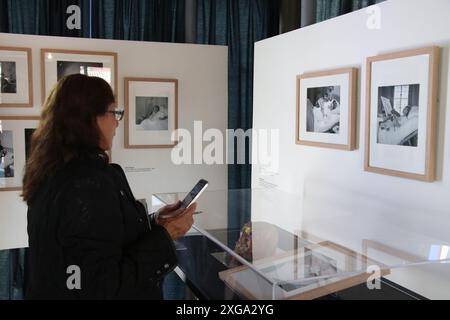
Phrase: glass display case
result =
(269, 247)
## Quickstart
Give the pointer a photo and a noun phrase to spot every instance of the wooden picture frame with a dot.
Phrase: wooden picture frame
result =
(252, 286)
(326, 109)
(15, 135)
(146, 127)
(96, 63)
(401, 111)
(20, 94)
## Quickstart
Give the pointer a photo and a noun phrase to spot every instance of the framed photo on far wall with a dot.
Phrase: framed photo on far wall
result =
(402, 92)
(15, 141)
(151, 112)
(57, 63)
(16, 78)
(326, 109)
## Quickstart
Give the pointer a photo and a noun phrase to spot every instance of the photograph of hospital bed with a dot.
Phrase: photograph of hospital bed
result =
(398, 115)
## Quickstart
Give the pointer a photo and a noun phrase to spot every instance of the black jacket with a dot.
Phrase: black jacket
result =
(86, 216)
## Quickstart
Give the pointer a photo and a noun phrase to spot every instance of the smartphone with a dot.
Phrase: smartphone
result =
(194, 194)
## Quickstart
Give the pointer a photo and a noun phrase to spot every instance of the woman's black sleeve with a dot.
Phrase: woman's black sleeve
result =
(91, 233)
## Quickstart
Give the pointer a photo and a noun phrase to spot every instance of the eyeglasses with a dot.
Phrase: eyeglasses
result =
(118, 114)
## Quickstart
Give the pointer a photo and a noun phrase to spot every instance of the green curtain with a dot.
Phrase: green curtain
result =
(42, 17)
(145, 20)
(5, 274)
(327, 9)
(238, 24)
(4, 19)
(12, 274)
(19, 16)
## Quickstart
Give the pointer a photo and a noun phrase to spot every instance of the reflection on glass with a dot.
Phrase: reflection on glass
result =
(439, 253)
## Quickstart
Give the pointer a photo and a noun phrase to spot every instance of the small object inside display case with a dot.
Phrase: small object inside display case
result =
(257, 240)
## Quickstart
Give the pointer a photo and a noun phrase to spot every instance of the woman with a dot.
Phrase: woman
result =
(88, 236)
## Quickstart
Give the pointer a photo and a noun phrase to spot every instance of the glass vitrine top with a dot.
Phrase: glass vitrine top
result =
(272, 242)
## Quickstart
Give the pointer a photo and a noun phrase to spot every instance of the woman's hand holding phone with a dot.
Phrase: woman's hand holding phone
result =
(168, 211)
(175, 219)
(178, 217)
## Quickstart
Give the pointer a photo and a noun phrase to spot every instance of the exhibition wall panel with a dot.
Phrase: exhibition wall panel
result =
(202, 75)
(339, 200)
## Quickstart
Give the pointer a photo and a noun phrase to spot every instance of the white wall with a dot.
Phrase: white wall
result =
(203, 96)
(339, 201)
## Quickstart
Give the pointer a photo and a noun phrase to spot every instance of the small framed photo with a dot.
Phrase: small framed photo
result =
(326, 109)
(402, 92)
(57, 63)
(151, 112)
(16, 77)
(15, 141)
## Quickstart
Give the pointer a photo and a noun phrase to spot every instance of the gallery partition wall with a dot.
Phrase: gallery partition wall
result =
(394, 181)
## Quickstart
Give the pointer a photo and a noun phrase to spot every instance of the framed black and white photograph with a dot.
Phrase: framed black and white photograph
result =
(326, 109)
(16, 78)
(57, 63)
(151, 112)
(15, 141)
(400, 116)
